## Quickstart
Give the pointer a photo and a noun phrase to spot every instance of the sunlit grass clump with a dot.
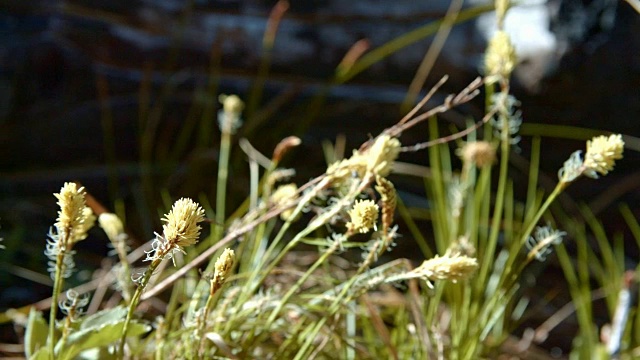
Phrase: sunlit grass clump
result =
(243, 308)
(306, 271)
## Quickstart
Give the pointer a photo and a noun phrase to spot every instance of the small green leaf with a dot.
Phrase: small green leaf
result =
(98, 336)
(104, 317)
(36, 333)
(41, 354)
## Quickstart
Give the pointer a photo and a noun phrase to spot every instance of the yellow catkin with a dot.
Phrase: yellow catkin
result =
(388, 200)
(73, 219)
(602, 152)
(500, 58)
(364, 215)
(222, 268)
(181, 228)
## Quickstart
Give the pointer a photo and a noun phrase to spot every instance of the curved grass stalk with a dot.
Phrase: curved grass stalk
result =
(405, 40)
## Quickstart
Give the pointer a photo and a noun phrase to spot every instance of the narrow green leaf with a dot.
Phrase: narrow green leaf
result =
(36, 333)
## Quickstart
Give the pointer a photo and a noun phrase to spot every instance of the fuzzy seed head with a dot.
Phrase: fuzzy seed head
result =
(229, 119)
(89, 219)
(500, 58)
(463, 247)
(283, 195)
(111, 224)
(231, 104)
(382, 154)
(480, 153)
(70, 224)
(602, 152)
(223, 266)
(364, 215)
(181, 228)
(341, 170)
(377, 159)
(388, 200)
(451, 267)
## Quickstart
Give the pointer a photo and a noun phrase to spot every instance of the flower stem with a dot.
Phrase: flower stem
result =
(205, 315)
(134, 303)
(223, 174)
(66, 329)
(525, 235)
(57, 285)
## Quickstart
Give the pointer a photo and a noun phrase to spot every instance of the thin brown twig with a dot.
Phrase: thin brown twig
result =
(101, 290)
(408, 121)
(424, 100)
(410, 114)
(451, 137)
(466, 95)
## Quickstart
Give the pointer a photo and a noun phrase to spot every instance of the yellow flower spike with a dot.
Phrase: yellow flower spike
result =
(231, 104)
(72, 214)
(364, 215)
(223, 268)
(376, 160)
(602, 152)
(284, 194)
(88, 220)
(448, 267)
(500, 58)
(382, 154)
(480, 153)
(181, 228)
(451, 266)
(73, 222)
(229, 119)
(111, 224)
(388, 200)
